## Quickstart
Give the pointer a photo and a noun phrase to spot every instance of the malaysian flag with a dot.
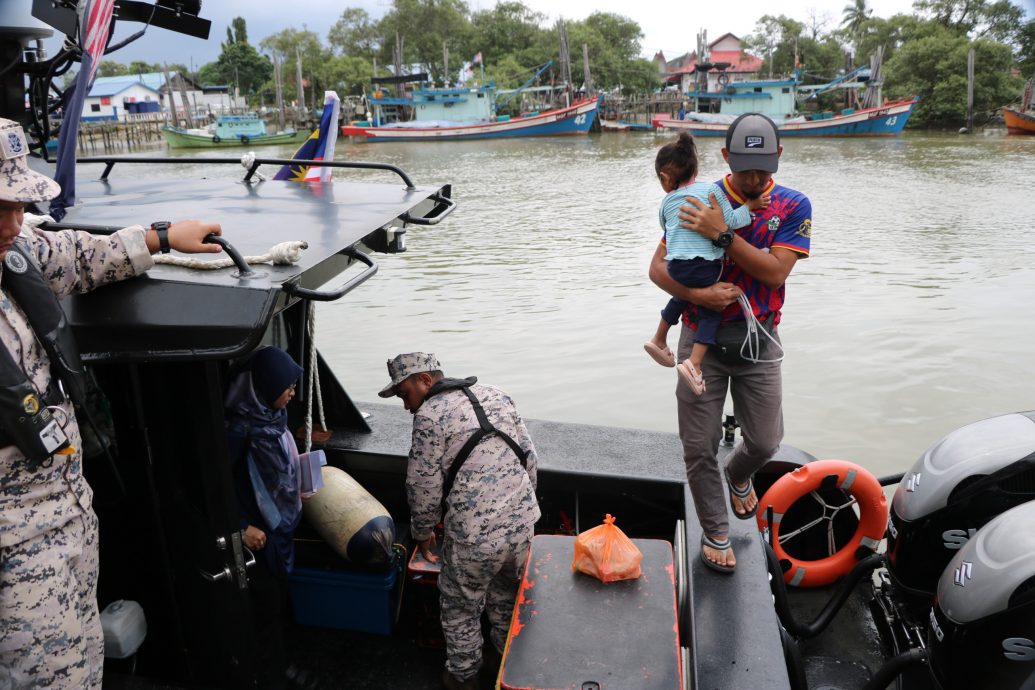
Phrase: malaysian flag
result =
(93, 24)
(318, 147)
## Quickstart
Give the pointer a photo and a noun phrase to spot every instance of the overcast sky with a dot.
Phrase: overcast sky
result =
(667, 26)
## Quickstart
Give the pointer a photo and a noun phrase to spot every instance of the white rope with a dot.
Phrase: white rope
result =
(313, 384)
(283, 254)
(752, 345)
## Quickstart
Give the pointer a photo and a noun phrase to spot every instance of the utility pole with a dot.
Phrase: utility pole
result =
(445, 64)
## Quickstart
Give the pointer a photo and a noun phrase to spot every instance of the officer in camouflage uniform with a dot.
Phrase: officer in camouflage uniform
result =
(50, 632)
(490, 510)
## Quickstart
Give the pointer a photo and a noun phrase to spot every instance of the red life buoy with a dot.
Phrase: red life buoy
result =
(847, 476)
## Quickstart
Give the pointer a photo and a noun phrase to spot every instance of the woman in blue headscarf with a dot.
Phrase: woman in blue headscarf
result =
(266, 473)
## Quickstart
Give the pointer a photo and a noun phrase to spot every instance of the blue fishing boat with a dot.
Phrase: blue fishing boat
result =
(443, 114)
(721, 82)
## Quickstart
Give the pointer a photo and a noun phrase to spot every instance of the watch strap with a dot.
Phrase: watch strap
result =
(161, 228)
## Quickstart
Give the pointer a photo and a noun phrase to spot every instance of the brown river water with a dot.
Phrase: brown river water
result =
(910, 319)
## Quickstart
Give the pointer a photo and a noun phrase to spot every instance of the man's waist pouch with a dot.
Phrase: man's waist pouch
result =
(729, 340)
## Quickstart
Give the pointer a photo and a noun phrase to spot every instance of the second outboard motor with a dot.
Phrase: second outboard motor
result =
(960, 483)
(982, 626)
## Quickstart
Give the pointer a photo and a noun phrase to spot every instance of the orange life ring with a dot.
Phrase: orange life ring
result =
(847, 476)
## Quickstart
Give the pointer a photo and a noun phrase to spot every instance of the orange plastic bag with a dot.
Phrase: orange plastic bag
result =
(606, 553)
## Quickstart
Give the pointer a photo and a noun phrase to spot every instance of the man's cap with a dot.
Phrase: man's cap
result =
(753, 143)
(406, 365)
(18, 182)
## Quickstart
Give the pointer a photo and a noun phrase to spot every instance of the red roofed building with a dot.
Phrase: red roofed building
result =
(725, 51)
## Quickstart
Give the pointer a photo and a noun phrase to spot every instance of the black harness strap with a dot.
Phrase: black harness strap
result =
(486, 429)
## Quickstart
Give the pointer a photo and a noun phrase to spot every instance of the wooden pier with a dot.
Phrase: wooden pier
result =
(137, 131)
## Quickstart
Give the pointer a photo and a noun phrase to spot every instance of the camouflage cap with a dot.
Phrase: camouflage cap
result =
(407, 365)
(18, 182)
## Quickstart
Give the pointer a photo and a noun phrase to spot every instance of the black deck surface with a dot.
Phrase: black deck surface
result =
(571, 629)
(737, 644)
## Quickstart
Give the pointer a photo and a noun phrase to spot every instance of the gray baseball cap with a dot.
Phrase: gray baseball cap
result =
(753, 142)
(406, 365)
(18, 182)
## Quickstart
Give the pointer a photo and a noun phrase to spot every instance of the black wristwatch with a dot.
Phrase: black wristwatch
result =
(161, 228)
(724, 239)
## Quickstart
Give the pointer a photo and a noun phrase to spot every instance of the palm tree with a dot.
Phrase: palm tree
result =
(854, 16)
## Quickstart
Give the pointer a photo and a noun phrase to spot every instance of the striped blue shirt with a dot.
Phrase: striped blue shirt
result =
(687, 244)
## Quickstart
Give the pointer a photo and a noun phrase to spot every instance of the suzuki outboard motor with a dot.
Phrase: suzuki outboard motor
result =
(982, 633)
(960, 483)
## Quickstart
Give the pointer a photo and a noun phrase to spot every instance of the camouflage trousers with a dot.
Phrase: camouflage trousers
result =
(50, 634)
(476, 577)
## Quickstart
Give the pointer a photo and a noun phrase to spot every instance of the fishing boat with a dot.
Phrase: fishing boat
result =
(1021, 119)
(447, 114)
(935, 593)
(723, 88)
(230, 131)
(776, 99)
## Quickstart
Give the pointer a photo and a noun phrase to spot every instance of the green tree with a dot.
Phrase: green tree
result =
(854, 16)
(998, 20)
(355, 34)
(933, 66)
(1025, 54)
(776, 40)
(291, 43)
(422, 26)
(613, 43)
(239, 65)
(346, 74)
(511, 28)
(237, 32)
(110, 68)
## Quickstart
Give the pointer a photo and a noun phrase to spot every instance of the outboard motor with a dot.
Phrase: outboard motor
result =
(982, 632)
(958, 485)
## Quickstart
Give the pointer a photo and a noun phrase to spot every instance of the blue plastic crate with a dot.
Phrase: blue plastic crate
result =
(347, 600)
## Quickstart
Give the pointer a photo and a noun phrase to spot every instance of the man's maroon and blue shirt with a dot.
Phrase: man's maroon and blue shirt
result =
(787, 224)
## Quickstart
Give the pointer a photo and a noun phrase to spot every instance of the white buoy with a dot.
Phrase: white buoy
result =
(353, 522)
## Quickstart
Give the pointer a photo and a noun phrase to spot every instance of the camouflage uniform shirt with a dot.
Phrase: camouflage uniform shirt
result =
(493, 496)
(35, 500)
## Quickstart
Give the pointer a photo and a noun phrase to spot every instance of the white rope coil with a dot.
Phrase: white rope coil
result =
(283, 254)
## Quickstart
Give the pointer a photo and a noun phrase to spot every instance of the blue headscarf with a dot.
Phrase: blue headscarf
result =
(264, 454)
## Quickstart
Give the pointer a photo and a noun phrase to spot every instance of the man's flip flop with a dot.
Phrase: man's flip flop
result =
(664, 357)
(724, 546)
(742, 495)
(692, 377)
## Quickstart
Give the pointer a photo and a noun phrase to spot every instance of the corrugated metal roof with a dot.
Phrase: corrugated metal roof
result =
(111, 86)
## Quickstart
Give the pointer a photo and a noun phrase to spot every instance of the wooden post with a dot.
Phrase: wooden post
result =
(301, 89)
(174, 122)
(970, 90)
(445, 65)
(279, 86)
(585, 70)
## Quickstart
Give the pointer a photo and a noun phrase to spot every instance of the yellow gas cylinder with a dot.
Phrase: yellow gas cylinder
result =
(348, 518)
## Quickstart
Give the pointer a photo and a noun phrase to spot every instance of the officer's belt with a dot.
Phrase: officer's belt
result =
(52, 396)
